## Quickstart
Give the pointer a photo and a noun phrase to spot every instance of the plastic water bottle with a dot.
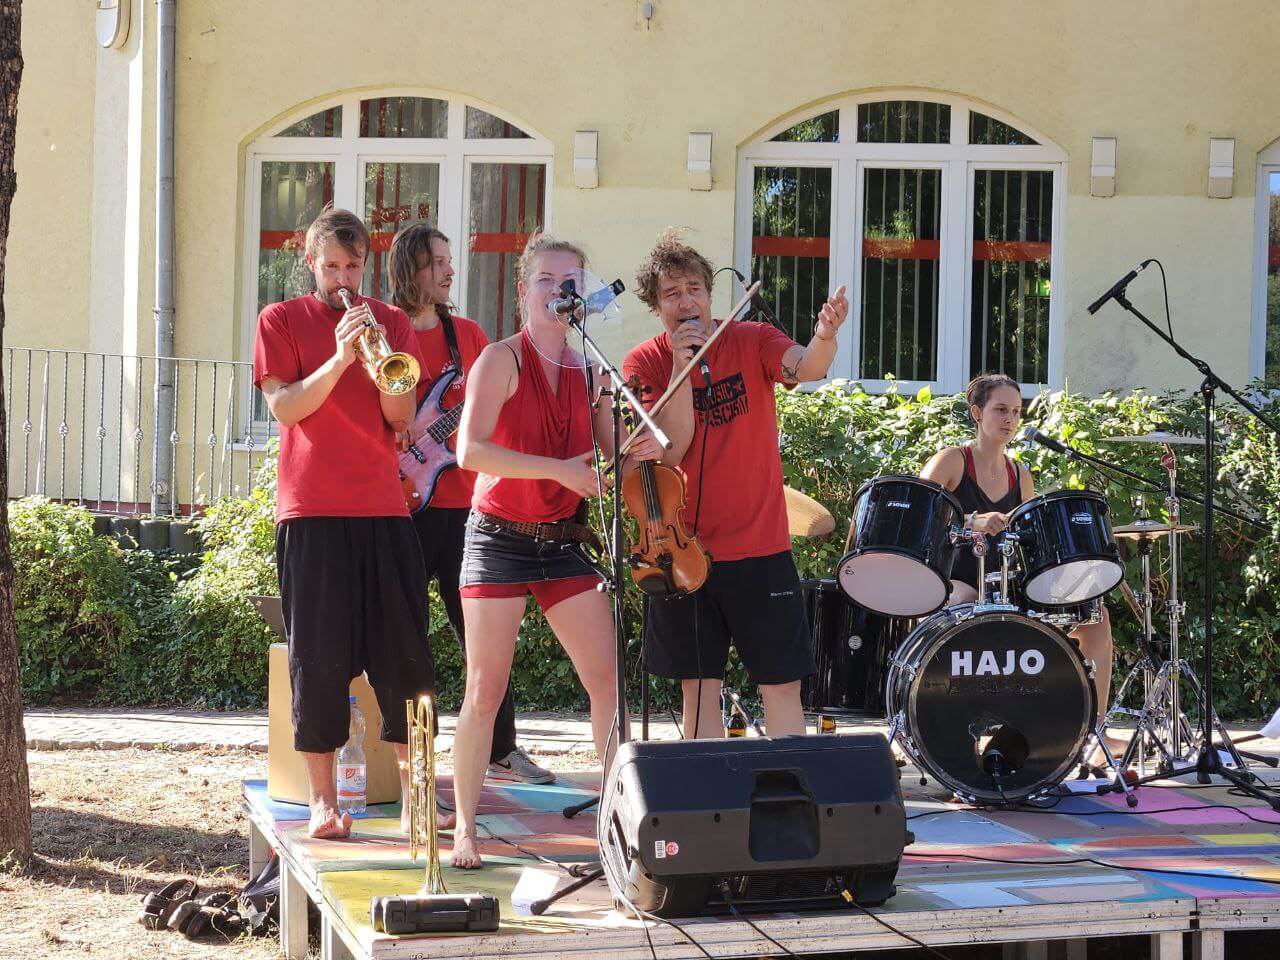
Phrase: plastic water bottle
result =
(351, 767)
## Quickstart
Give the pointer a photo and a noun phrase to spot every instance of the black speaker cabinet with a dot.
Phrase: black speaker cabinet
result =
(697, 826)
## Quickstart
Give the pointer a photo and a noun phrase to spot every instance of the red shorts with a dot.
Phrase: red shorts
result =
(547, 592)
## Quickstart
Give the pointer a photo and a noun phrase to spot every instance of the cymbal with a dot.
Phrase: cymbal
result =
(806, 517)
(1150, 529)
(1158, 436)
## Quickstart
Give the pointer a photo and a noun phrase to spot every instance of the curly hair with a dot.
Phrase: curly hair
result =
(670, 254)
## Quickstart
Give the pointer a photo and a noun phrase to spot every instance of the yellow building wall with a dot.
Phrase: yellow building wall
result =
(1163, 82)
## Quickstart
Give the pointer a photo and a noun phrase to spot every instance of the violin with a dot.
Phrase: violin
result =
(666, 560)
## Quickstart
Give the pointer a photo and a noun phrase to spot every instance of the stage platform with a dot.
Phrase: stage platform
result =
(946, 894)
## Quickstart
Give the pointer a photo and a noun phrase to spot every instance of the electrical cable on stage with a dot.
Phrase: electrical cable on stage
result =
(890, 927)
(1101, 863)
(524, 851)
(734, 910)
(1037, 809)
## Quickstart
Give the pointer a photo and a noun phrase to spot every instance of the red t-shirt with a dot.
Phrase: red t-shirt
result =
(455, 486)
(341, 460)
(743, 512)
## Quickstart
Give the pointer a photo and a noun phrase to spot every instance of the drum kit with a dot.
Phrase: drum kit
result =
(993, 698)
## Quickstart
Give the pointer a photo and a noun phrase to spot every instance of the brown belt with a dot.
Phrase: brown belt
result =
(557, 530)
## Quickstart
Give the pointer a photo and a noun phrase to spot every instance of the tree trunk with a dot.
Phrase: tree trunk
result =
(15, 792)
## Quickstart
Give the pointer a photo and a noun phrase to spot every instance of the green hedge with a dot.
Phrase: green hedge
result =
(99, 623)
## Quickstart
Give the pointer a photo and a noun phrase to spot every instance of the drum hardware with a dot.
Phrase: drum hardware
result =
(1208, 759)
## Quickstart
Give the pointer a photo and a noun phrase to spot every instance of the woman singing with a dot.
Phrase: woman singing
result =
(527, 429)
(989, 486)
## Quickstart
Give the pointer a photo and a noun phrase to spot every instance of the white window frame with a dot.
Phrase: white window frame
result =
(1268, 163)
(848, 159)
(348, 152)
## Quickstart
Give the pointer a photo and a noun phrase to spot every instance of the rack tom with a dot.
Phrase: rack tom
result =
(900, 552)
(1065, 548)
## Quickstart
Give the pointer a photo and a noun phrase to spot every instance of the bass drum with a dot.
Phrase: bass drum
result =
(851, 646)
(995, 705)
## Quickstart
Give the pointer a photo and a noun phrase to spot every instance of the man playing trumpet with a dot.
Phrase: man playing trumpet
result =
(348, 558)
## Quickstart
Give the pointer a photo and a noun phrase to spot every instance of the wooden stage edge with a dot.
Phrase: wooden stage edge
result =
(944, 898)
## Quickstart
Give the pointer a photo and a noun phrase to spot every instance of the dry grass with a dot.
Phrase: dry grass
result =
(110, 826)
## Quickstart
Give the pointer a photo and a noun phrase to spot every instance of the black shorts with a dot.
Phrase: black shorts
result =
(354, 602)
(492, 555)
(755, 603)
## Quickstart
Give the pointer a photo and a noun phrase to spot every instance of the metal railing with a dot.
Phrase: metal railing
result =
(82, 427)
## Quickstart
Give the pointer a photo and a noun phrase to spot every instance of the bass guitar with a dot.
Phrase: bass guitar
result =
(429, 453)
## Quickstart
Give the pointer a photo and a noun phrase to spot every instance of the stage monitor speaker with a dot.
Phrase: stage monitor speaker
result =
(697, 826)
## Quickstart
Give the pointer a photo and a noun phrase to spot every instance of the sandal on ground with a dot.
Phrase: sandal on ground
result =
(217, 912)
(159, 906)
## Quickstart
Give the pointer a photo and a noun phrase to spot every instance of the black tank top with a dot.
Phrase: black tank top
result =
(972, 497)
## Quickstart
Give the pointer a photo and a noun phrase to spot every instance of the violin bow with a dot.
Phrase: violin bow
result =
(662, 401)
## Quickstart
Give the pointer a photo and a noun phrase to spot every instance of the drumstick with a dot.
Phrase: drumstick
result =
(684, 374)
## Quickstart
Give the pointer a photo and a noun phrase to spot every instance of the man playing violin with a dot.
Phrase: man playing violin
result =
(724, 435)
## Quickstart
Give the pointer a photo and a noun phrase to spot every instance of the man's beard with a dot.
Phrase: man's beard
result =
(331, 298)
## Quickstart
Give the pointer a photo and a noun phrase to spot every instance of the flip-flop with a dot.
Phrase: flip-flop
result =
(159, 906)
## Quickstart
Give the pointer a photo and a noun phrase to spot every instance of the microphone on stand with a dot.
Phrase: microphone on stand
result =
(758, 304)
(1032, 435)
(1119, 286)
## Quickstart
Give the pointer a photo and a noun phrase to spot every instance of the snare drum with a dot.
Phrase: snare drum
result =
(1065, 548)
(851, 646)
(900, 550)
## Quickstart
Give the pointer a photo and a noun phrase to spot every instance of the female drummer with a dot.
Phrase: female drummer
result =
(527, 429)
(989, 485)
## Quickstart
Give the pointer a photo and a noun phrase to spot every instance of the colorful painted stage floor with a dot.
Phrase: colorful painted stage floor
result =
(1041, 885)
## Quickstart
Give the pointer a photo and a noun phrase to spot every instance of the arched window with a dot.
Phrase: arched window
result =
(1266, 289)
(395, 159)
(940, 217)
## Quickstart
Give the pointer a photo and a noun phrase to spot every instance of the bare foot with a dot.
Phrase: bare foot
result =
(444, 821)
(465, 856)
(328, 824)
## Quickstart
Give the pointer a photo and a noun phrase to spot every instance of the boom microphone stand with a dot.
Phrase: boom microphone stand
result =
(1209, 761)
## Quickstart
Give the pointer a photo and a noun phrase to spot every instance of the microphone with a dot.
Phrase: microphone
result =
(1118, 289)
(1057, 446)
(758, 304)
(563, 305)
(569, 301)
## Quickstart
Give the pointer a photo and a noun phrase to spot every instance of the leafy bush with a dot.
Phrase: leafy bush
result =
(70, 600)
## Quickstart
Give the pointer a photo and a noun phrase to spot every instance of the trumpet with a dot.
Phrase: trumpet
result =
(423, 832)
(394, 373)
(432, 909)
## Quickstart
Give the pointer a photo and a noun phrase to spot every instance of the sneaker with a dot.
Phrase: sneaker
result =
(517, 766)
